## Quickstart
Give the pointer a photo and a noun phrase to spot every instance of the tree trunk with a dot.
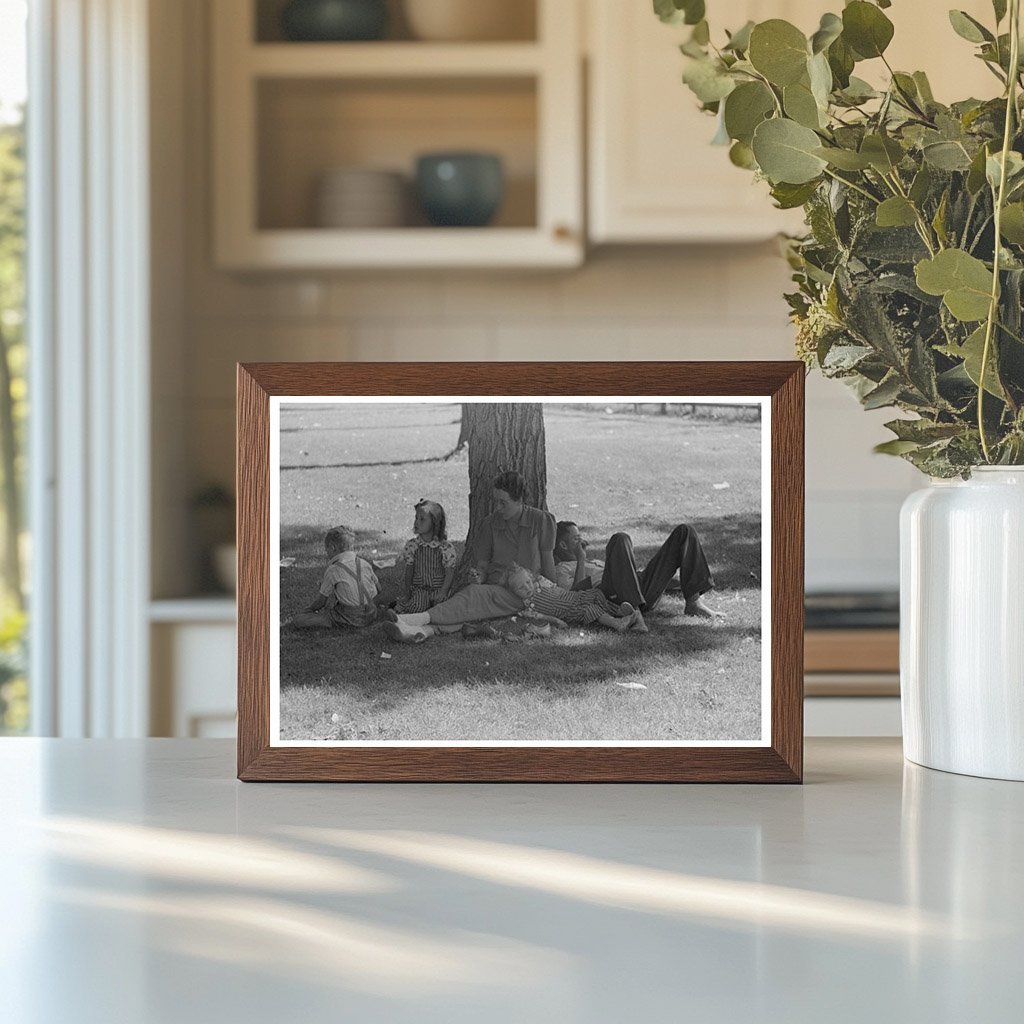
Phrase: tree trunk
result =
(503, 436)
(11, 491)
(463, 428)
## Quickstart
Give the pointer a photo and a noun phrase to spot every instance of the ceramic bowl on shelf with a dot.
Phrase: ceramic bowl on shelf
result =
(470, 20)
(460, 189)
(361, 198)
(334, 21)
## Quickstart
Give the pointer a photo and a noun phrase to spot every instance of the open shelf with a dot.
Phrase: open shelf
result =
(308, 127)
(286, 114)
(520, 17)
(393, 60)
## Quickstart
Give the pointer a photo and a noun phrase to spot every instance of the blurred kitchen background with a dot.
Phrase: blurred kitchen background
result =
(290, 217)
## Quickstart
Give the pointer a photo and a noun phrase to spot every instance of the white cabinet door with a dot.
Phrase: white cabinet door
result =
(653, 174)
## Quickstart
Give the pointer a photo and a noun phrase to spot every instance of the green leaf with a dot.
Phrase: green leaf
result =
(896, 212)
(820, 76)
(800, 105)
(946, 156)
(829, 30)
(968, 28)
(883, 153)
(745, 108)
(858, 91)
(885, 394)
(778, 50)
(895, 447)
(999, 7)
(1011, 225)
(739, 41)
(971, 352)
(742, 155)
(676, 12)
(785, 152)
(707, 80)
(976, 174)
(841, 60)
(923, 431)
(963, 281)
(866, 29)
(789, 197)
(844, 159)
(939, 220)
(906, 89)
(921, 185)
(924, 88)
(701, 33)
(994, 167)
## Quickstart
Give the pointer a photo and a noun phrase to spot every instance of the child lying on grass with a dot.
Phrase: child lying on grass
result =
(347, 590)
(544, 601)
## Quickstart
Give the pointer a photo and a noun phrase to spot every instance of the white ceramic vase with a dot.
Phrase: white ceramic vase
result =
(962, 624)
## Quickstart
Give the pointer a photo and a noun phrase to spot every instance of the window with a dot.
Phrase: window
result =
(14, 697)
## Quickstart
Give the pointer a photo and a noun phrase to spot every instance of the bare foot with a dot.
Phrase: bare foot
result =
(636, 623)
(695, 606)
(625, 610)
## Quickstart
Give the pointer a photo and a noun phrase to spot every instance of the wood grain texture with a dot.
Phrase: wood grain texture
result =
(852, 650)
(252, 487)
(781, 762)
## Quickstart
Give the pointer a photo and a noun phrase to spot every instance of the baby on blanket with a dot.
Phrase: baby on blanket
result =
(546, 602)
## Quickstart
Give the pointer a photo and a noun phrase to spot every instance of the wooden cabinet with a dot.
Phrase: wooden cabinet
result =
(653, 175)
(286, 113)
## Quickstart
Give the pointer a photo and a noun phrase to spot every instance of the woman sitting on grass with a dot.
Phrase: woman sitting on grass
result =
(544, 601)
(513, 533)
(347, 590)
(429, 560)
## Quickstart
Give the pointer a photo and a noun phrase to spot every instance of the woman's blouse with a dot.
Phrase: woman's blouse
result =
(522, 540)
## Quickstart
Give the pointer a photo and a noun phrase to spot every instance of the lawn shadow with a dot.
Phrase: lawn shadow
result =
(732, 544)
(307, 542)
(570, 661)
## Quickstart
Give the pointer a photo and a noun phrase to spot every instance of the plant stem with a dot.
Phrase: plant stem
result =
(922, 225)
(993, 308)
(855, 187)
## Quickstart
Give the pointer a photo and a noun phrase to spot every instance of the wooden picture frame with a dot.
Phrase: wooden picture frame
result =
(776, 757)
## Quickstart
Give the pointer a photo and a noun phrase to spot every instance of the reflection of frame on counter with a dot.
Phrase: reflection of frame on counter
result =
(772, 752)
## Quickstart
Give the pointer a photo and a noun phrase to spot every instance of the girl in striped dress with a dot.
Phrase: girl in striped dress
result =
(429, 560)
(543, 600)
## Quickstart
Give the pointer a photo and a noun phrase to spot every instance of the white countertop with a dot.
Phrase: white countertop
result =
(143, 885)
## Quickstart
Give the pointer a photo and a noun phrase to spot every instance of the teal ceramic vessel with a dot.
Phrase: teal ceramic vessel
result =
(333, 21)
(460, 189)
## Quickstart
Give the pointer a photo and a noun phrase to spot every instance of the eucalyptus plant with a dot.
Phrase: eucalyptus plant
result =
(910, 278)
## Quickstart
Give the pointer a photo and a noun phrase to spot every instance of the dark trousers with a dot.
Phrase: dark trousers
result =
(682, 553)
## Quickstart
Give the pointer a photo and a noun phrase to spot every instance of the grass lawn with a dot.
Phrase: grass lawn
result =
(685, 680)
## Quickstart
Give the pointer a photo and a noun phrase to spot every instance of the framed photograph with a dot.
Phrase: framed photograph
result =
(520, 572)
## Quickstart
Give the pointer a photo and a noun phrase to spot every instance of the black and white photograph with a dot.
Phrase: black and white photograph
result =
(454, 571)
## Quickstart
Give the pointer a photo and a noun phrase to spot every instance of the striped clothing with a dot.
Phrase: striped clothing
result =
(430, 561)
(577, 607)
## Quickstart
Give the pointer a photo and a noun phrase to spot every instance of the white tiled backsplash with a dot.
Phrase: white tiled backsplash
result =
(719, 302)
